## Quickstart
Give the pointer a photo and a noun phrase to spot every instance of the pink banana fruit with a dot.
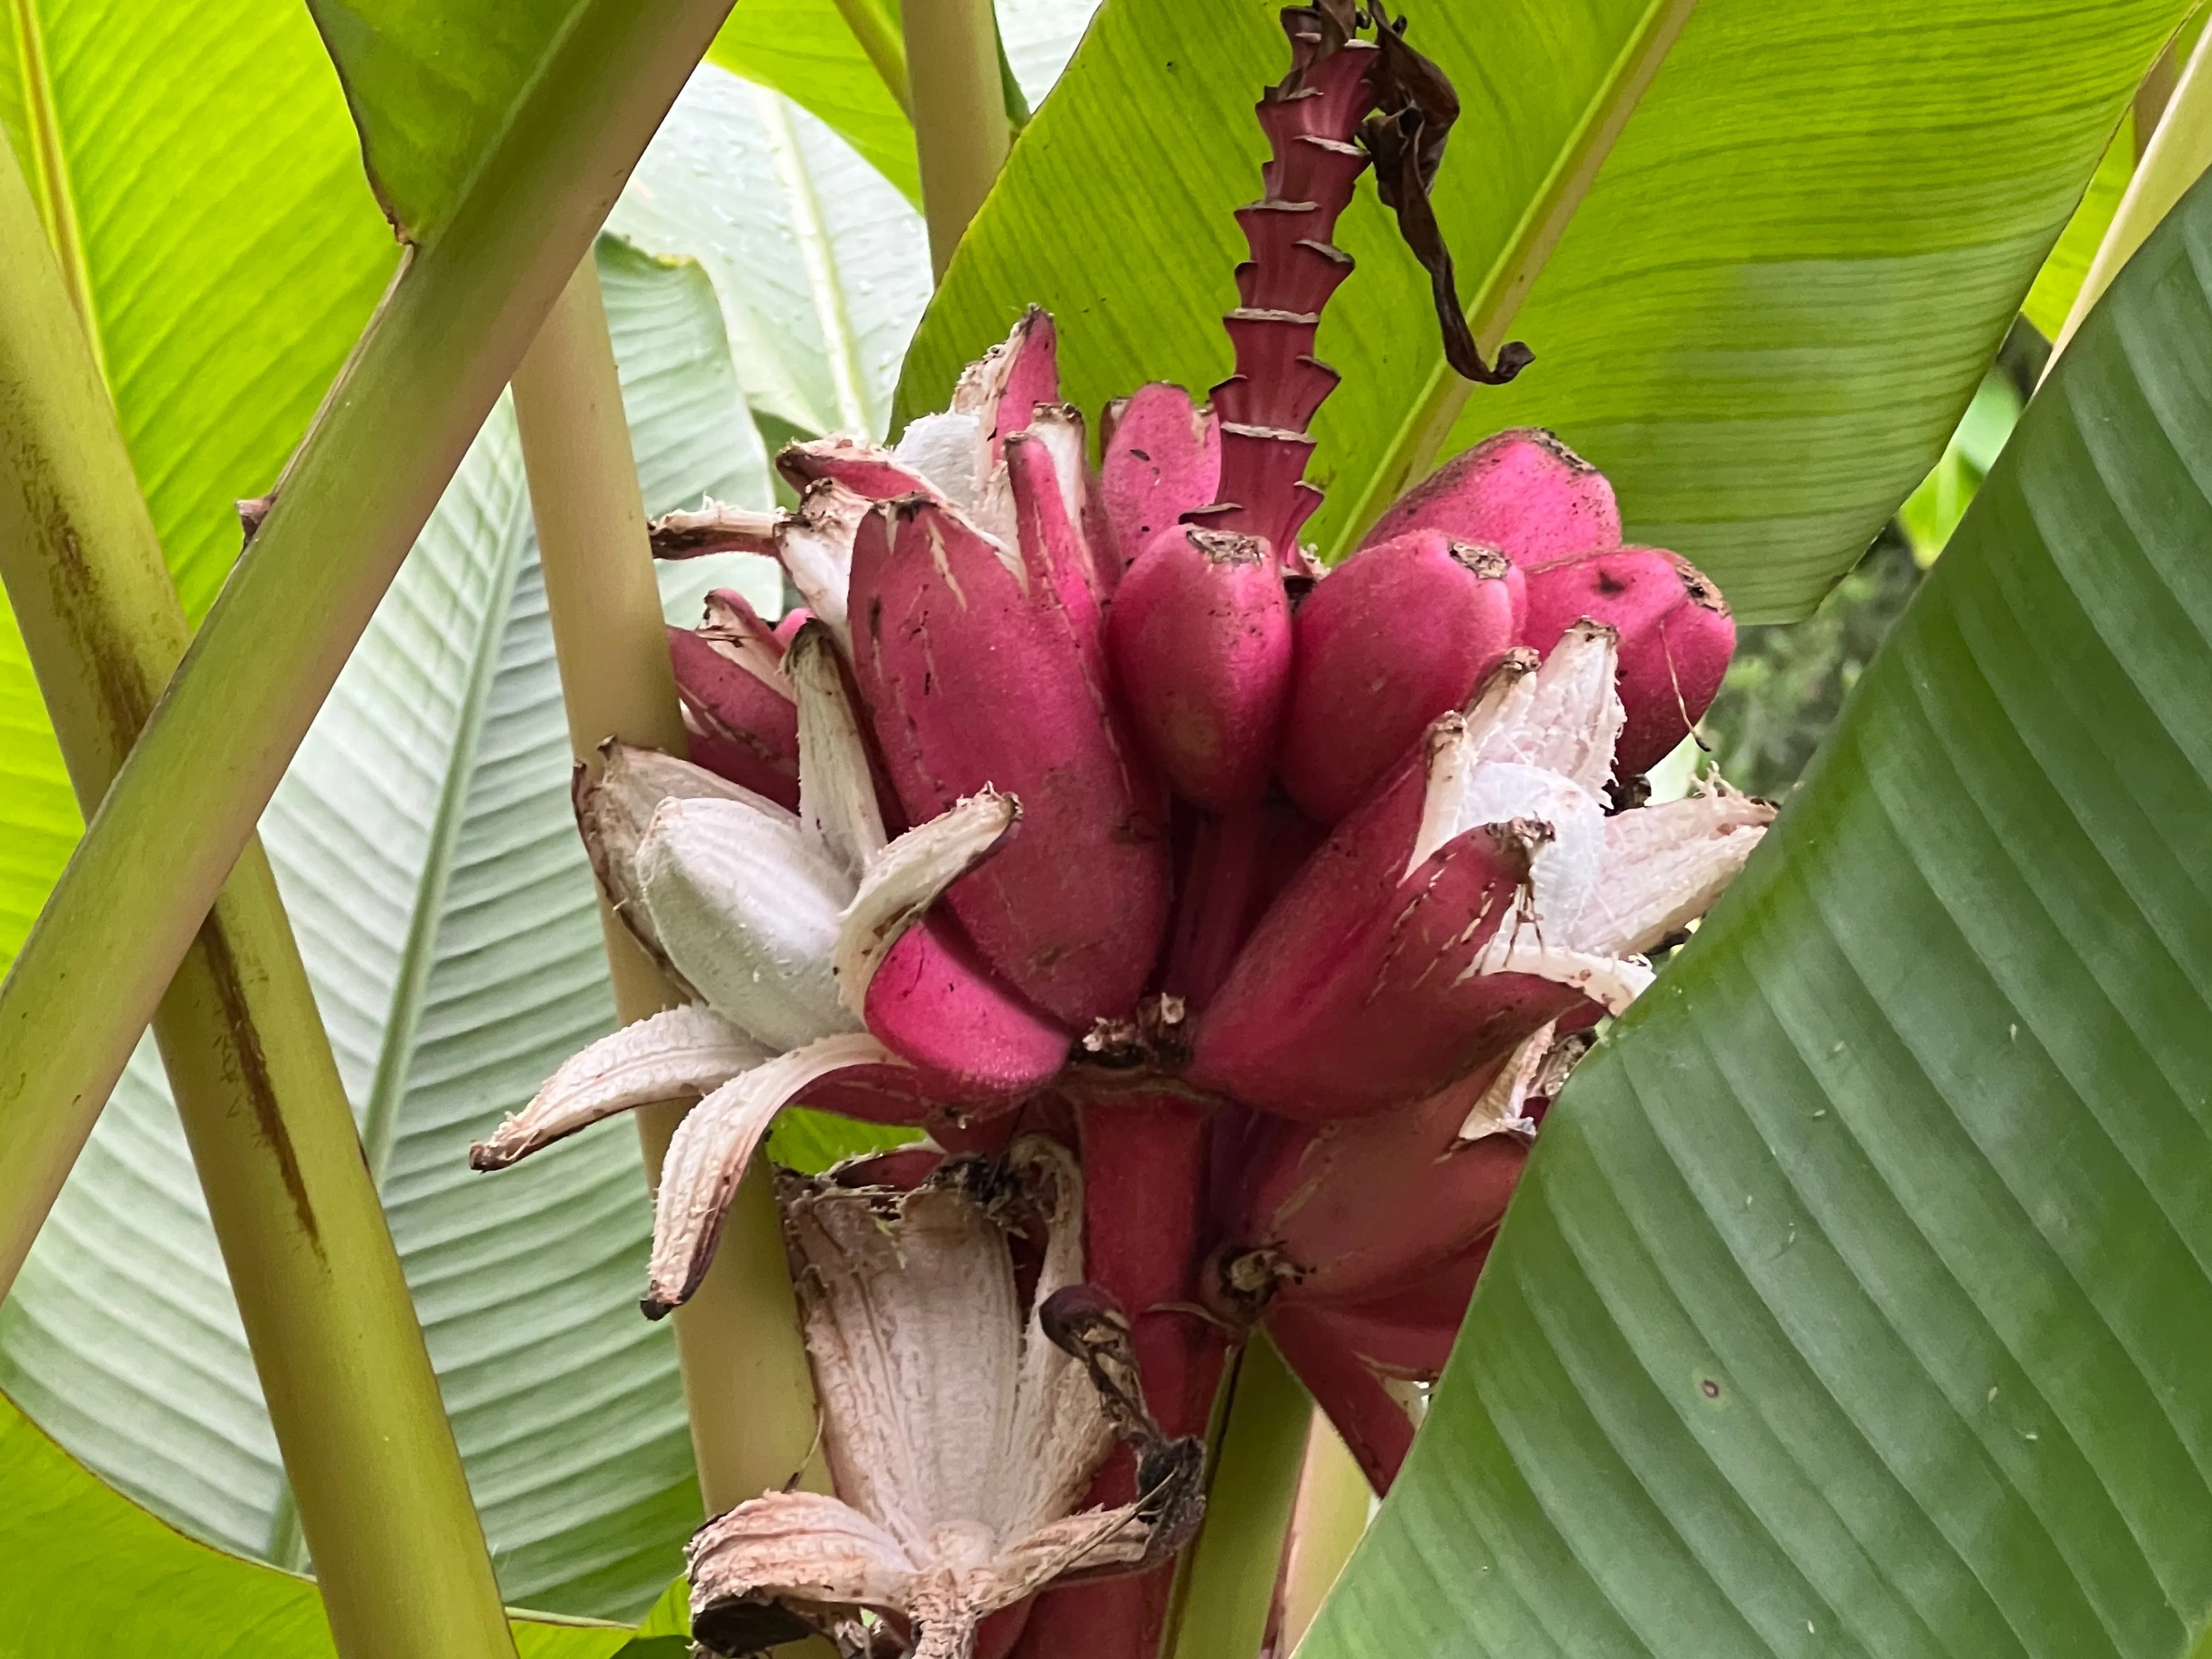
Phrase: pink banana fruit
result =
(940, 1009)
(976, 676)
(1145, 1173)
(1049, 484)
(952, 455)
(1349, 1211)
(1140, 1260)
(1232, 867)
(900, 965)
(1523, 492)
(1408, 1335)
(1402, 632)
(1200, 638)
(1377, 1422)
(1361, 1361)
(852, 463)
(738, 712)
(1357, 991)
(1004, 390)
(1675, 631)
(1158, 458)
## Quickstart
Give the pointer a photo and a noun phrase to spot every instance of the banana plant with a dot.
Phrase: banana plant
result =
(1202, 785)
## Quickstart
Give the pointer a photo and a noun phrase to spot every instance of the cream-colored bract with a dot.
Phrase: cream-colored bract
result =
(712, 1148)
(1536, 747)
(958, 1436)
(683, 1052)
(777, 921)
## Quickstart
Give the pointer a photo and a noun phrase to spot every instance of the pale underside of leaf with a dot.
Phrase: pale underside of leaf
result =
(820, 266)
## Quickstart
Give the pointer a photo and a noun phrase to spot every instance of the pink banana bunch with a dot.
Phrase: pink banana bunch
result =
(1079, 803)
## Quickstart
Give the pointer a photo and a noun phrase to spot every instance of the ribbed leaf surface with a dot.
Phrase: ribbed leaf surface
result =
(88, 1572)
(819, 263)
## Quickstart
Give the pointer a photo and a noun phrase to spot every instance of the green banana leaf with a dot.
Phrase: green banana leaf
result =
(432, 87)
(1932, 512)
(1858, 1299)
(1763, 321)
(224, 262)
(90, 1572)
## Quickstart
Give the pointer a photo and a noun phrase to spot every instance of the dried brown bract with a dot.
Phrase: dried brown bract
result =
(959, 1435)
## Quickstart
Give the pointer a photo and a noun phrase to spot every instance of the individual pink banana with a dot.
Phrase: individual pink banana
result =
(939, 1008)
(1523, 492)
(1049, 486)
(869, 472)
(1232, 867)
(1409, 1336)
(1145, 1176)
(1676, 636)
(976, 676)
(1004, 390)
(1158, 459)
(739, 712)
(1358, 1208)
(950, 455)
(1144, 1169)
(1402, 632)
(898, 963)
(1358, 991)
(1200, 638)
(1361, 1361)
(1375, 1421)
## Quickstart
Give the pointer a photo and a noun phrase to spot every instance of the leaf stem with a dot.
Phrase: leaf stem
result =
(49, 177)
(349, 505)
(878, 31)
(1326, 1523)
(1229, 1577)
(1420, 438)
(382, 1501)
(958, 104)
(2174, 158)
(745, 1379)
